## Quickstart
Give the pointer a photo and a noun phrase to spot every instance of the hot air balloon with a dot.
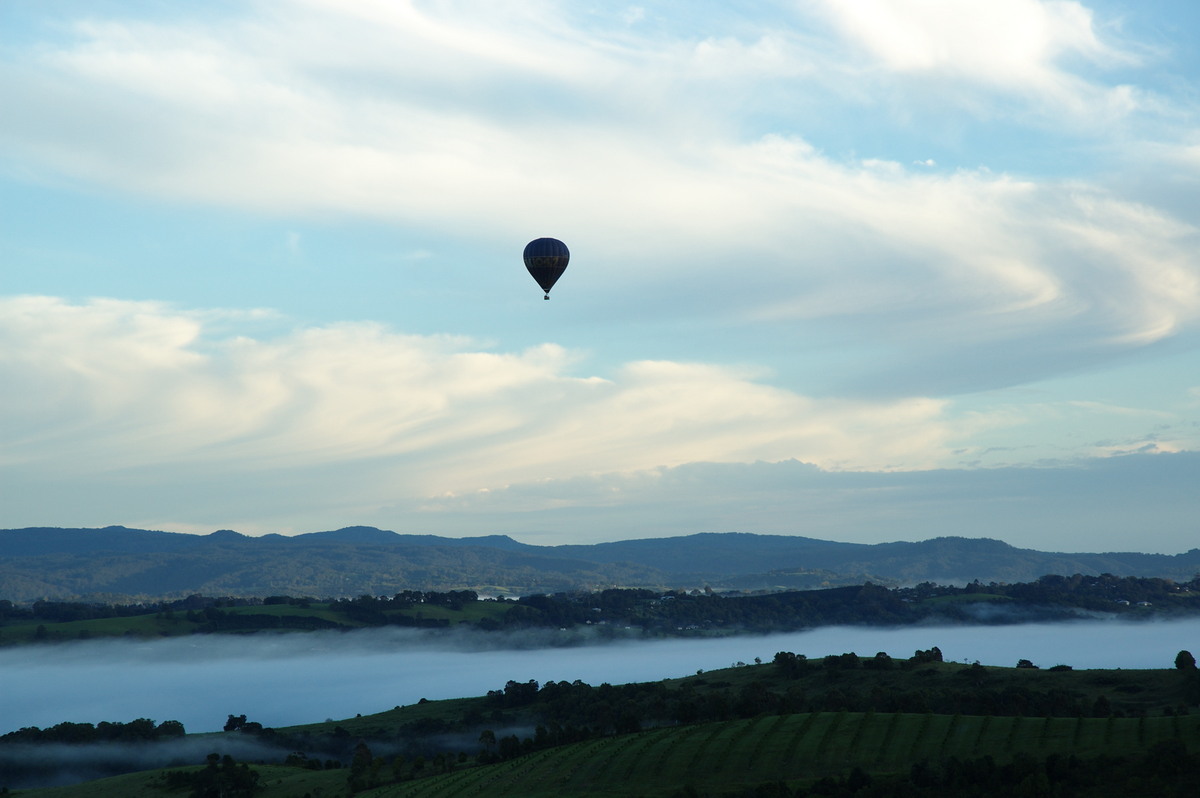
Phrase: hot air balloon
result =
(546, 259)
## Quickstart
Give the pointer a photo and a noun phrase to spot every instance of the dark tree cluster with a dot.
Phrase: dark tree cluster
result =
(212, 620)
(1105, 592)
(792, 683)
(453, 599)
(221, 777)
(676, 613)
(64, 611)
(118, 748)
(384, 611)
(140, 730)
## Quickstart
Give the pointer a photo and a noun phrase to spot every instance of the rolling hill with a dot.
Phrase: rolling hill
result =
(120, 563)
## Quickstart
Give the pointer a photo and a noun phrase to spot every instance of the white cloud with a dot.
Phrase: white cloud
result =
(633, 15)
(148, 415)
(116, 385)
(1096, 505)
(683, 161)
(974, 36)
(1018, 46)
(437, 118)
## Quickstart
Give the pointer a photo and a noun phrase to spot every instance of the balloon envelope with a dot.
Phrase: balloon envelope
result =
(546, 259)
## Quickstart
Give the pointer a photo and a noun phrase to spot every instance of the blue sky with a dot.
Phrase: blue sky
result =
(864, 271)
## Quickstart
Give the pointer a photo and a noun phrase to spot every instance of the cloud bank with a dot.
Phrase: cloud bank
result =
(112, 387)
(142, 406)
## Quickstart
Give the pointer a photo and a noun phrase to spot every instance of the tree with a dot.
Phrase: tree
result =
(222, 777)
(932, 655)
(510, 747)
(360, 774)
(487, 739)
(1184, 661)
(171, 728)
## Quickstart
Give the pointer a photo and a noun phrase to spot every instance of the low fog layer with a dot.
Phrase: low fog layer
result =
(56, 764)
(303, 678)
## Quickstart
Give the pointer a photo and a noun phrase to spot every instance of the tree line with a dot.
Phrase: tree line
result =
(140, 730)
(618, 611)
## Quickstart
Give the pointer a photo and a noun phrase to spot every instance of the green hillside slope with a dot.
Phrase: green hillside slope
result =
(743, 754)
(784, 722)
(730, 758)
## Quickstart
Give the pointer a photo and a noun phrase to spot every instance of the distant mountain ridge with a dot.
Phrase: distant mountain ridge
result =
(116, 562)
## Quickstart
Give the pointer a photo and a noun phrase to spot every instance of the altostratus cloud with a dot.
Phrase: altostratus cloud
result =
(110, 385)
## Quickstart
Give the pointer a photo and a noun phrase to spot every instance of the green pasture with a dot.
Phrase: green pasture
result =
(966, 598)
(727, 756)
(471, 612)
(155, 624)
(276, 781)
(1131, 691)
(314, 610)
(384, 724)
(149, 625)
(791, 748)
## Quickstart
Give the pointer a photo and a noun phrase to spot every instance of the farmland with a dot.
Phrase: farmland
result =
(799, 726)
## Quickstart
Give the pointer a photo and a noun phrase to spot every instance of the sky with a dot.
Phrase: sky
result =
(863, 270)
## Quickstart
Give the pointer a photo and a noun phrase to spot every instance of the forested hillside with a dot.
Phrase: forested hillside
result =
(628, 613)
(116, 563)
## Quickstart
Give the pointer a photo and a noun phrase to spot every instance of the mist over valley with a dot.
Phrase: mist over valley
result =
(288, 679)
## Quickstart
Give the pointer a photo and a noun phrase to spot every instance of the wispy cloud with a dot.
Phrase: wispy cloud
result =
(325, 425)
(436, 119)
(836, 196)
(1023, 48)
(113, 385)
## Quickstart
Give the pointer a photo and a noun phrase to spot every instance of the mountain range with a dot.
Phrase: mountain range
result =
(116, 563)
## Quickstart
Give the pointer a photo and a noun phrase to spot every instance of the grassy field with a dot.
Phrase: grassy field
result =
(797, 748)
(1129, 691)
(965, 598)
(277, 781)
(790, 748)
(174, 624)
(727, 756)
